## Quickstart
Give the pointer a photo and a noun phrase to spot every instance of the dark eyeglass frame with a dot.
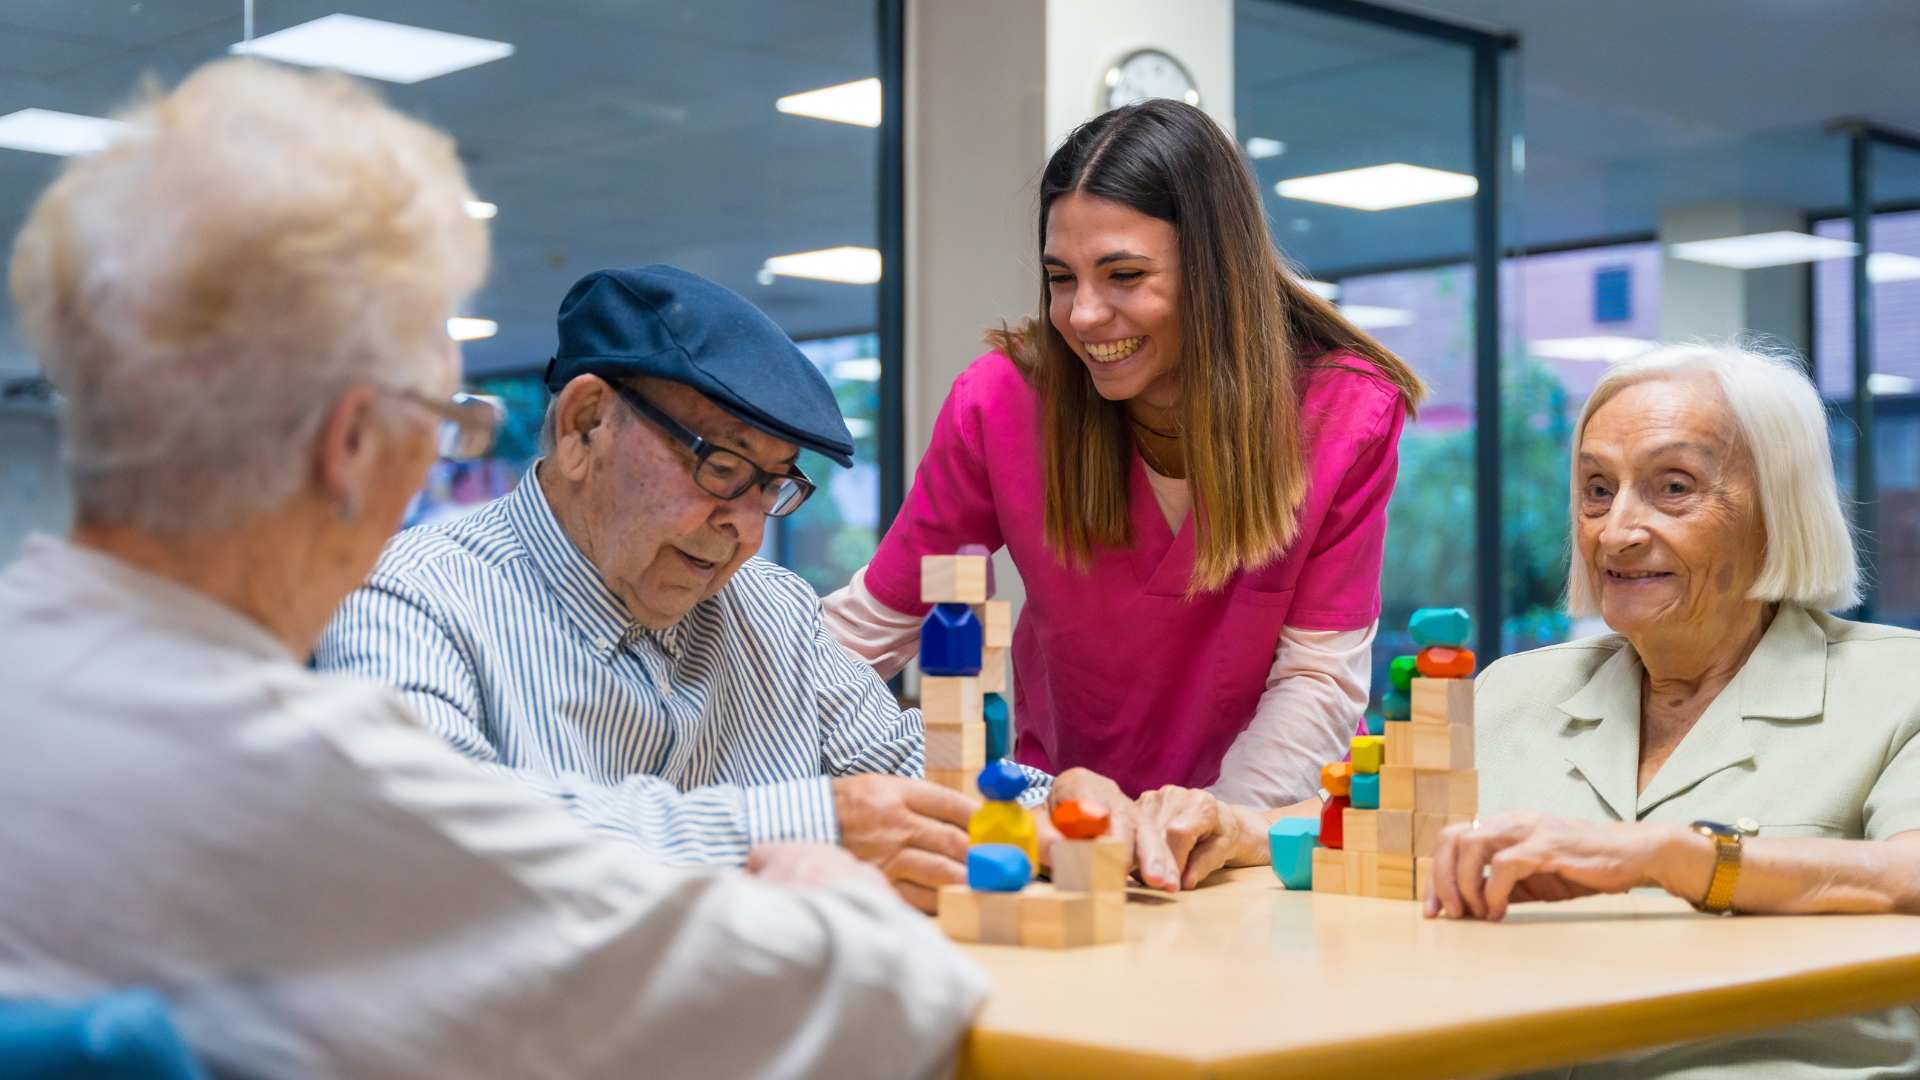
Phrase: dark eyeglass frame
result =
(783, 500)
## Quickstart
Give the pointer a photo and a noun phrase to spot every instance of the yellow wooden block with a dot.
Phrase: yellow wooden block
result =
(950, 700)
(1394, 829)
(1396, 785)
(1329, 871)
(993, 671)
(959, 913)
(1399, 740)
(1442, 746)
(953, 579)
(1426, 830)
(1392, 877)
(1094, 866)
(1369, 753)
(1360, 829)
(1443, 701)
(965, 781)
(956, 747)
(996, 623)
(1054, 919)
(1453, 791)
(1005, 823)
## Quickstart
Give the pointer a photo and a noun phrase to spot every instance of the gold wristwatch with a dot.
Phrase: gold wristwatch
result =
(1726, 866)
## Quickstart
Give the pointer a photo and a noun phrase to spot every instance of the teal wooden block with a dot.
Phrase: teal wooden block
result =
(1291, 841)
(1376, 724)
(1401, 673)
(1441, 626)
(1397, 705)
(993, 710)
(1366, 791)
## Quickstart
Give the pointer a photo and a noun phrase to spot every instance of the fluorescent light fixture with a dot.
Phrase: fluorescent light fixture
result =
(845, 265)
(44, 131)
(865, 369)
(1380, 187)
(1325, 290)
(1601, 349)
(1882, 383)
(1367, 317)
(464, 328)
(375, 48)
(856, 103)
(1757, 250)
(482, 211)
(1260, 148)
(1888, 266)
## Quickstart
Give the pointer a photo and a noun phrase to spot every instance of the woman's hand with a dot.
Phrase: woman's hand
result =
(1479, 869)
(1184, 834)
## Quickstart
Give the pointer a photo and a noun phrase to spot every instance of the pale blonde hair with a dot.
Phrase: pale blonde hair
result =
(201, 291)
(1810, 558)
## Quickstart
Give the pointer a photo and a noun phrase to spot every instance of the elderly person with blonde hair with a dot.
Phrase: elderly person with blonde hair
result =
(244, 304)
(1731, 742)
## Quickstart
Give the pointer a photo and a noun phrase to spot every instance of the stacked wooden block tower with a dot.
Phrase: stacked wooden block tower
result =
(963, 648)
(1386, 804)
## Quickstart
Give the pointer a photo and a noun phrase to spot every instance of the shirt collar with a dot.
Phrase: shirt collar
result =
(576, 585)
(1784, 679)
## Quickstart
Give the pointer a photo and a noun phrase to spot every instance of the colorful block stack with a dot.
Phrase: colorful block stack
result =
(963, 667)
(1385, 805)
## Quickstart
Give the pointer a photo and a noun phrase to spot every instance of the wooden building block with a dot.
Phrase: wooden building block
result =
(1366, 882)
(1366, 791)
(1422, 877)
(1329, 871)
(950, 641)
(965, 781)
(1332, 817)
(959, 913)
(985, 918)
(1396, 788)
(1392, 877)
(993, 671)
(1453, 792)
(1109, 917)
(1094, 866)
(1396, 705)
(1400, 672)
(996, 623)
(1445, 662)
(953, 579)
(949, 700)
(1426, 830)
(1008, 823)
(1394, 829)
(1399, 744)
(1291, 842)
(961, 747)
(1443, 701)
(999, 720)
(1442, 746)
(1081, 819)
(1360, 830)
(1440, 626)
(1053, 919)
(1369, 753)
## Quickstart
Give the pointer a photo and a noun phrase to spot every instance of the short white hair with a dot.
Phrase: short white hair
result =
(201, 291)
(1810, 558)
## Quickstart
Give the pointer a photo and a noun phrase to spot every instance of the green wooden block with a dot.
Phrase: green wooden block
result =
(1402, 672)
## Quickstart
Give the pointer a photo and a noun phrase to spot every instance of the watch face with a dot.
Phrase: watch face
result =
(1148, 74)
(1715, 828)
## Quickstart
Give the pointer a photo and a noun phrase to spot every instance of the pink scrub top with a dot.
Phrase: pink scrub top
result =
(1115, 670)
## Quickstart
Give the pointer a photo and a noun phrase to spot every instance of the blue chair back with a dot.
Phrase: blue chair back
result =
(124, 1035)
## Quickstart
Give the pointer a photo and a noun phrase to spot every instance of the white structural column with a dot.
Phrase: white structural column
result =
(1716, 302)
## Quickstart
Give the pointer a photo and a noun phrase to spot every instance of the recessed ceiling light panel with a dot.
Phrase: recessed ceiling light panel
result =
(1369, 317)
(856, 103)
(1757, 251)
(1380, 187)
(1602, 349)
(467, 328)
(844, 265)
(375, 48)
(44, 131)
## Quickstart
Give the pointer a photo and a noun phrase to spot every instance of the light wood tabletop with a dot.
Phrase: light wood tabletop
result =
(1242, 978)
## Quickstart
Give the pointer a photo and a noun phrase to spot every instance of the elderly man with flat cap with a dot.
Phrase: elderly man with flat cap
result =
(605, 631)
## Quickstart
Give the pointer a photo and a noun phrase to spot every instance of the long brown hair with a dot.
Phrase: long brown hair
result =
(1247, 329)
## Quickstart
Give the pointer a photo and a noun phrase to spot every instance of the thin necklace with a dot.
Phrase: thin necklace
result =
(1169, 435)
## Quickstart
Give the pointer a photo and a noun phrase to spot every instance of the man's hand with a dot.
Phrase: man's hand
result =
(914, 831)
(812, 864)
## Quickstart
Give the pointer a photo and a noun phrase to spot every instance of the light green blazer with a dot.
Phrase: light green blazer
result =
(1815, 736)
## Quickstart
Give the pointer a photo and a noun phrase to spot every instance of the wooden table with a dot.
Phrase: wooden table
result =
(1242, 978)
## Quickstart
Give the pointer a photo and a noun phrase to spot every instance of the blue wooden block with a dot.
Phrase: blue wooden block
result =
(1376, 724)
(1002, 780)
(950, 641)
(1440, 626)
(1396, 705)
(993, 709)
(1291, 841)
(1365, 791)
(997, 868)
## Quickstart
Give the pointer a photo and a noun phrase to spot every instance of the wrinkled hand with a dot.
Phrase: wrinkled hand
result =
(1086, 785)
(914, 831)
(812, 864)
(1479, 869)
(1185, 834)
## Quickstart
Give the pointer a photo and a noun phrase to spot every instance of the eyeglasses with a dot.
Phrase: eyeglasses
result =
(721, 472)
(468, 422)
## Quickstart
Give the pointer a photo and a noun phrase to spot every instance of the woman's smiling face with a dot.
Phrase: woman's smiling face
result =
(1113, 282)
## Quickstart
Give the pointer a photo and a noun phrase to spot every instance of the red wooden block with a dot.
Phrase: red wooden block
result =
(1333, 820)
(1079, 820)
(1441, 662)
(1337, 778)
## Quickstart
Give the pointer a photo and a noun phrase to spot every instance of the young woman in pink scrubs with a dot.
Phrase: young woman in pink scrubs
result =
(1188, 457)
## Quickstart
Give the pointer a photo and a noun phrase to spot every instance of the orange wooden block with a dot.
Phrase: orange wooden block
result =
(1444, 662)
(1337, 777)
(1080, 820)
(1397, 786)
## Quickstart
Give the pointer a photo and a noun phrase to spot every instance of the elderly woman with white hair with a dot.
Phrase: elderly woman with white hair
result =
(1731, 742)
(244, 305)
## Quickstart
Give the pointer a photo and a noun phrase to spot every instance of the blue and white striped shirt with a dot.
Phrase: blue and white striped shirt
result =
(721, 732)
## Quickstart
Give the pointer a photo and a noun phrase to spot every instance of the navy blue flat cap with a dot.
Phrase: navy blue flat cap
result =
(667, 323)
